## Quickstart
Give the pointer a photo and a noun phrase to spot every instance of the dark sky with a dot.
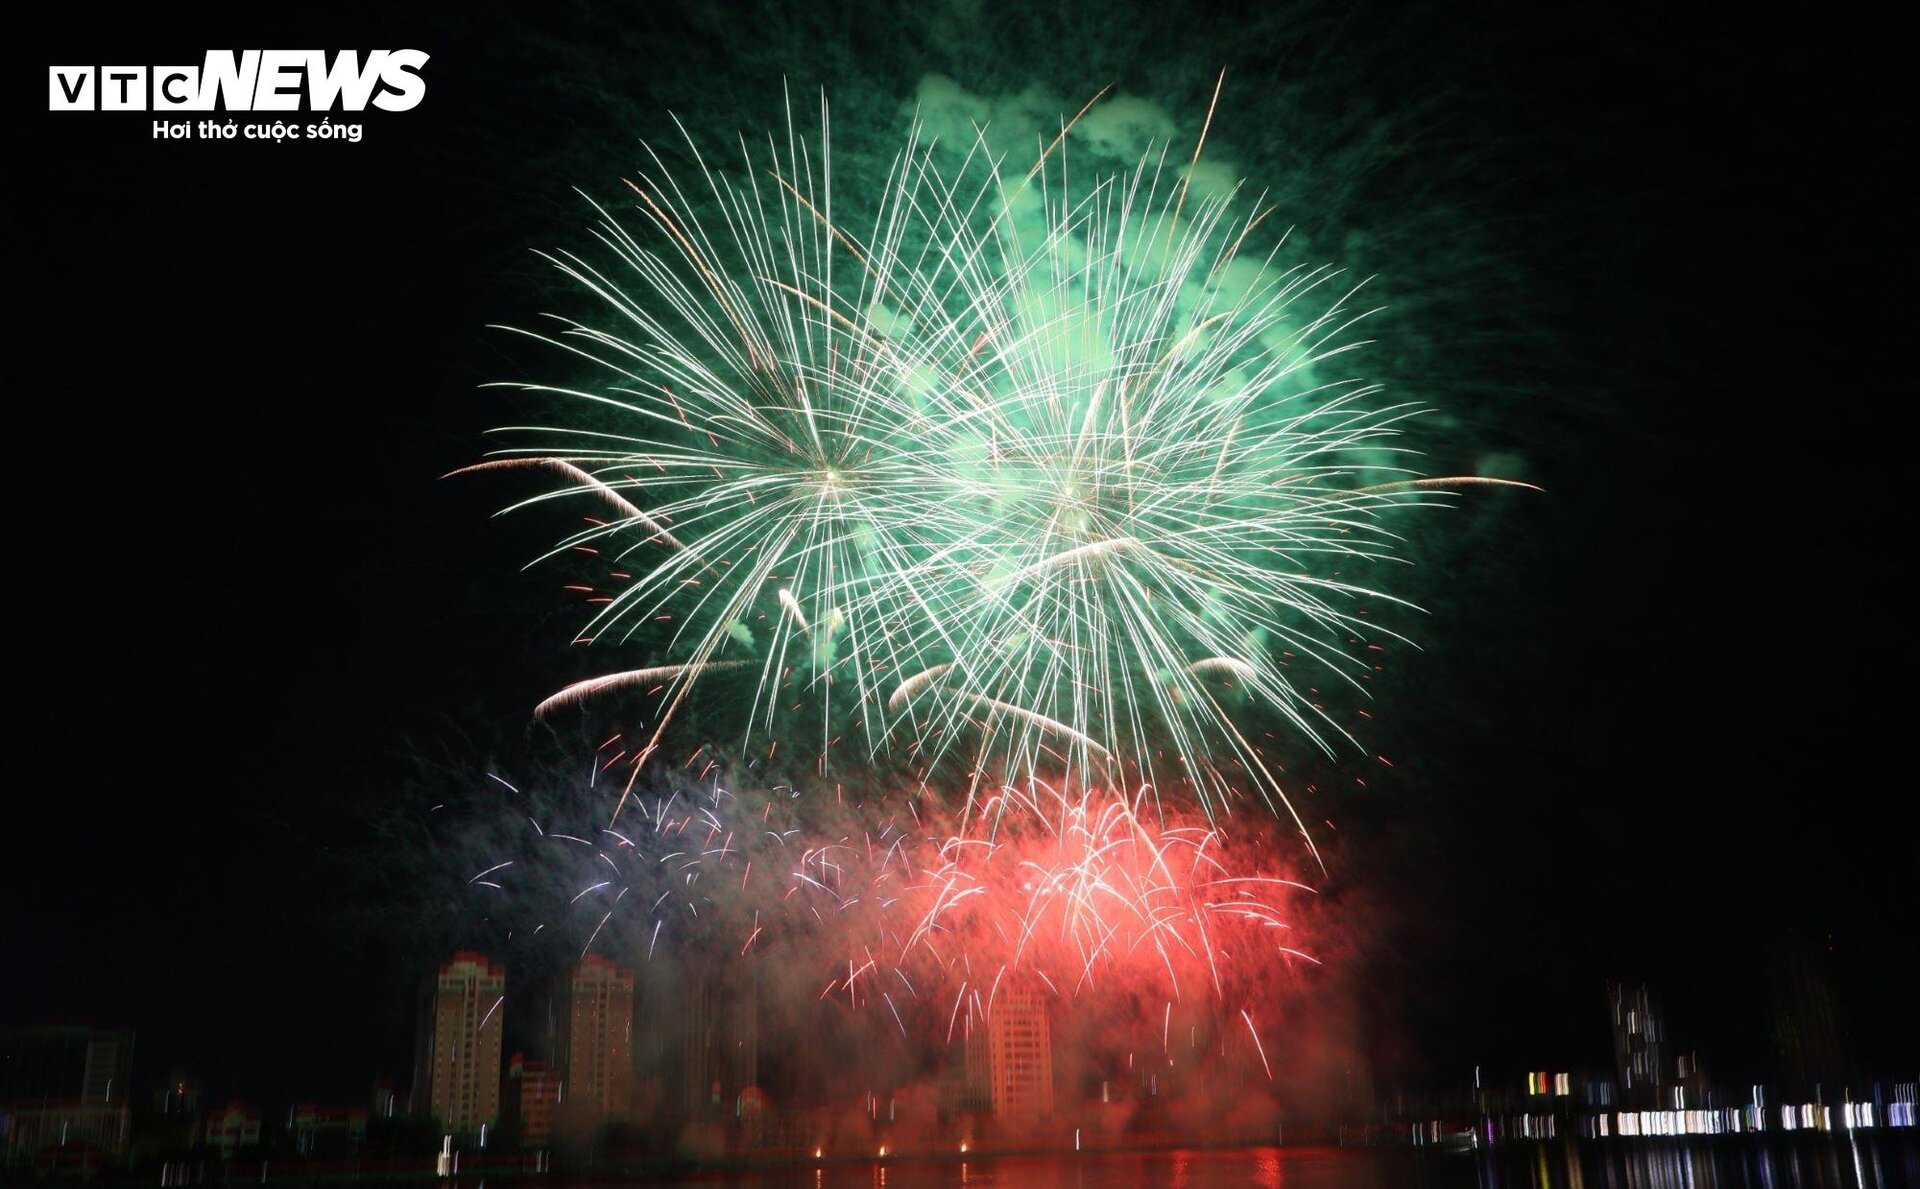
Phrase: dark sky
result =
(1652, 734)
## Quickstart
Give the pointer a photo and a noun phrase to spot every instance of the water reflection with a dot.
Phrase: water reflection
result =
(1805, 1162)
(1828, 1162)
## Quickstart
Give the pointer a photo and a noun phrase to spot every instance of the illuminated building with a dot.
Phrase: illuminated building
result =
(1010, 1059)
(1639, 1045)
(533, 1091)
(599, 1040)
(463, 1044)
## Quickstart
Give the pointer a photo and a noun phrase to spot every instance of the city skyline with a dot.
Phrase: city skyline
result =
(68, 1088)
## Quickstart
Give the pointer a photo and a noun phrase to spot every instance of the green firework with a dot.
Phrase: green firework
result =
(1025, 475)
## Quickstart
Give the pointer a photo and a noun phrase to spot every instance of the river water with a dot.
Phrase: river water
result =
(1825, 1162)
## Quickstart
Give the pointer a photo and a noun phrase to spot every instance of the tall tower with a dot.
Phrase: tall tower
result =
(719, 1042)
(1010, 1059)
(700, 1088)
(1639, 1045)
(600, 1040)
(1806, 1022)
(467, 1023)
(743, 1039)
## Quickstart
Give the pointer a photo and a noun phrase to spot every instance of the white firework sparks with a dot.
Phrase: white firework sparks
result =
(1012, 469)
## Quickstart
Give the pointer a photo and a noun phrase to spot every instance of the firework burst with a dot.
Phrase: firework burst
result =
(1027, 477)
(896, 908)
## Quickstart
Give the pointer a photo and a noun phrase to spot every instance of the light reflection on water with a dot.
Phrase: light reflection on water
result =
(1848, 1161)
(1824, 1163)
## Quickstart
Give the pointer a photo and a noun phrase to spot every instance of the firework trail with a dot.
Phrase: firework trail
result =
(1038, 479)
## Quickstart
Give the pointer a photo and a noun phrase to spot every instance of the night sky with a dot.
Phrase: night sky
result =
(1654, 731)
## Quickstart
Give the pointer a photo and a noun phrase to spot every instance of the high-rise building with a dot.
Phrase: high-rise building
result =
(1639, 1045)
(599, 1040)
(720, 1043)
(1805, 1019)
(1010, 1059)
(743, 1040)
(64, 1087)
(463, 1044)
(700, 1043)
(533, 1091)
(73, 1063)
